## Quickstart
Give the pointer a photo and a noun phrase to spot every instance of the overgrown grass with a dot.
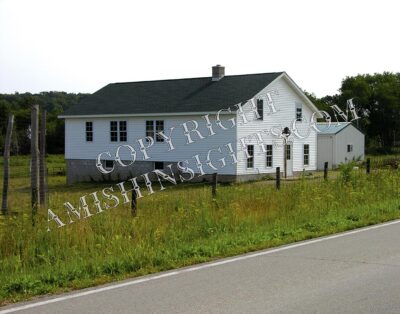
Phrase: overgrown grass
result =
(20, 165)
(385, 161)
(177, 227)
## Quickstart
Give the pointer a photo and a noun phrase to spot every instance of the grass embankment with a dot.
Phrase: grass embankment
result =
(179, 226)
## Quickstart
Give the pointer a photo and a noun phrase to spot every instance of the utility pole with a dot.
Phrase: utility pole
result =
(35, 160)
(4, 204)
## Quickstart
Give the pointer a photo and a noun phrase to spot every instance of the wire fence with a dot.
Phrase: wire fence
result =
(376, 162)
(24, 172)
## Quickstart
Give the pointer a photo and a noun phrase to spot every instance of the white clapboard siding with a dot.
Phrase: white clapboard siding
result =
(349, 135)
(326, 150)
(285, 99)
(332, 148)
(76, 146)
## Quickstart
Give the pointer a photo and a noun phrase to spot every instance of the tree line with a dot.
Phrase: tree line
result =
(377, 100)
(55, 103)
(376, 97)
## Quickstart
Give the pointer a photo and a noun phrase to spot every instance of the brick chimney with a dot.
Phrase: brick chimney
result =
(218, 72)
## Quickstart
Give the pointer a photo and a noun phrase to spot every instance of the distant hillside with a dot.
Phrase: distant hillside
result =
(55, 103)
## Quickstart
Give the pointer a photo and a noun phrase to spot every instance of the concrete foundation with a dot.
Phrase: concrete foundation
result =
(85, 170)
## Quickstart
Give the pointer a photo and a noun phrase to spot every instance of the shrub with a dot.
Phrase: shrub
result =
(346, 171)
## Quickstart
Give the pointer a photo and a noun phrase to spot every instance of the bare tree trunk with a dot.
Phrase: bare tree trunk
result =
(42, 161)
(4, 204)
(35, 160)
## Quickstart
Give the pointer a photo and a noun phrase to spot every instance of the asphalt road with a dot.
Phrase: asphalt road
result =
(356, 272)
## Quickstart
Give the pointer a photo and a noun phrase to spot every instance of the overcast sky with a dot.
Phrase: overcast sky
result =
(80, 46)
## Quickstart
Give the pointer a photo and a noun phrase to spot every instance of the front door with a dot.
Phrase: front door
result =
(289, 159)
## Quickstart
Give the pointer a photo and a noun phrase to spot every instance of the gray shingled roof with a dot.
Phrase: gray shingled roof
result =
(170, 96)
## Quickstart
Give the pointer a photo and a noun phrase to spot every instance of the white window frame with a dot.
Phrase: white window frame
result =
(149, 132)
(250, 157)
(260, 108)
(351, 147)
(299, 106)
(123, 132)
(155, 129)
(267, 155)
(304, 155)
(114, 132)
(118, 131)
(158, 129)
(89, 132)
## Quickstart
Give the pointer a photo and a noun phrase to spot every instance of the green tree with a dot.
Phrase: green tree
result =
(379, 96)
(55, 103)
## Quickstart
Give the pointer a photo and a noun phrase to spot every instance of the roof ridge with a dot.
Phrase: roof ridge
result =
(194, 78)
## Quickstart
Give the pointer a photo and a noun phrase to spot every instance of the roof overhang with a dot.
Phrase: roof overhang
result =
(166, 114)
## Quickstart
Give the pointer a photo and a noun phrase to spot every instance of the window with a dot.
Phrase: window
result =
(288, 151)
(122, 131)
(153, 128)
(158, 165)
(260, 109)
(109, 164)
(149, 129)
(269, 155)
(89, 131)
(114, 131)
(306, 154)
(250, 156)
(349, 148)
(159, 128)
(299, 112)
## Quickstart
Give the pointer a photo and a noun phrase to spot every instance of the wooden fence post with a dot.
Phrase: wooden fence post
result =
(134, 203)
(34, 160)
(42, 161)
(368, 165)
(4, 204)
(278, 178)
(214, 185)
(326, 170)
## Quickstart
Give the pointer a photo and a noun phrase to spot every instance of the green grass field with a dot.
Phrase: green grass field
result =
(180, 226)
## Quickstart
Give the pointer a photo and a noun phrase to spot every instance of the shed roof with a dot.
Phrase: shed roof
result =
(325, 128)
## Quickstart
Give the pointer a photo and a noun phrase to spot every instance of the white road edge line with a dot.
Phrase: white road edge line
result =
(194, 268)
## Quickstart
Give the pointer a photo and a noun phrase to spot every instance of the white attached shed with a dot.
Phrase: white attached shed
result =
(339, 143)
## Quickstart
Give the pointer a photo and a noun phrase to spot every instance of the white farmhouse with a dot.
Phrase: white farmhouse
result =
(339, 143)
(231, 125)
